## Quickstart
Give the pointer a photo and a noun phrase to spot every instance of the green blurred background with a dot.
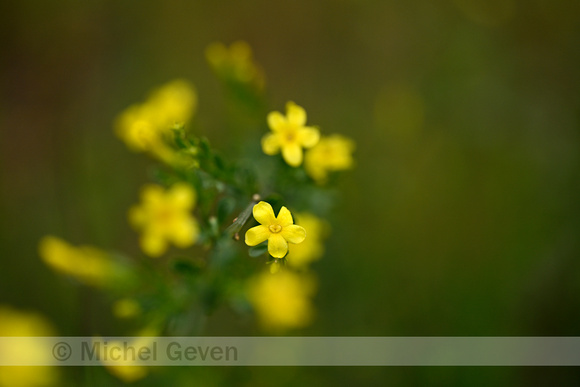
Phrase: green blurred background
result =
(460, 219)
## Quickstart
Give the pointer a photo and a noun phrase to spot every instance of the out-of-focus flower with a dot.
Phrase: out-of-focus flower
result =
(302, 255)
(87, 264)
(275, 266)
(28, 326)
(332, 153)
(126, 308)
(289, 134)
(282, 300)
(172, 103)
(165, 216)
(278, 231)
(127, 367)
(235, 63)
(145, 127)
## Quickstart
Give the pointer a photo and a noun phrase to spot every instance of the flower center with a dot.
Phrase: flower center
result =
(289, 135)
(164, 215)
(275, 228)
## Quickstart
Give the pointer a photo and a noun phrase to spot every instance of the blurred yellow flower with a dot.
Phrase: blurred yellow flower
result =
(332, 153)
(275, 266)
(172, 103)
(282, 300)
(145, 127)
(87, 264)
(165, 216)
(235, 63)
(126, 308)
(127, 373)
(312, 249)
(289, 134)
(30, 349)
(278, 231)
(127, 368)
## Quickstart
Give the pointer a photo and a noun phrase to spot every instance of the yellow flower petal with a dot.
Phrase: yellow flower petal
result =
(153, 244)
(185, 234)
(182, 196)
(152, 193)
(257, 235)
(275, 121)
(85, 263)
(284, 217)
(264, 213)
(277, 246)
(303, 254)
(332, 153)
(308, 136)
(292, 154)
(137, 216)
(270, 144)
(296, 114)
(294, 233)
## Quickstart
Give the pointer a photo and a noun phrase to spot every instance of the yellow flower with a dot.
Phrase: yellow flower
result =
(85, 263)
(312, 249)
(165, 216)
(235, 63)
(126, 308)
(278, 231)
(127, 373)
(26, 325)
(289, 134)
(145, 127)
(172, 103)
(282, 300)
(127, 368)
(332, 153)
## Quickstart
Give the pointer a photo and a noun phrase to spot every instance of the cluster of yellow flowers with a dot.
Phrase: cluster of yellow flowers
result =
(282, 296)
(145, 127)
(290, 136)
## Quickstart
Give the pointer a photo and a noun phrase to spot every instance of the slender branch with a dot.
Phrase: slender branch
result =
(234, 229)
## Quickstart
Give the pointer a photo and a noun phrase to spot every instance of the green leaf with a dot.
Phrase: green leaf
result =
(185, 267)
(219, 161)
(204, 146)
(179, 139)
(258, 250)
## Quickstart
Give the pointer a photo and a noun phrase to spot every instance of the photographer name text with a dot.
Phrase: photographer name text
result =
(125, 351)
